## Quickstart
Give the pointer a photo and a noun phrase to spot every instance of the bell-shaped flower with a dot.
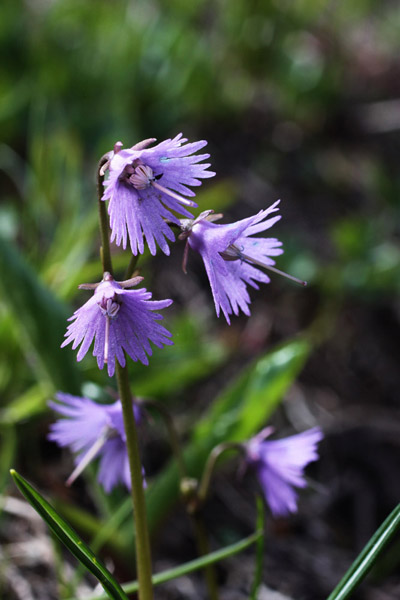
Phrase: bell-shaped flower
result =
(233, 257)
(280, 465)
(146, 184)
(93, 430)
(119, 321)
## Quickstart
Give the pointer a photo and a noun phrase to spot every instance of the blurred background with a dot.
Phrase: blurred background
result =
(298, 101)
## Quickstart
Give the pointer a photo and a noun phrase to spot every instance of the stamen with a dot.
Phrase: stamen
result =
(142, 177)
(88, 457)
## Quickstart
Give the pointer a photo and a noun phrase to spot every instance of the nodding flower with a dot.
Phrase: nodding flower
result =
(146, 184)
(233, 257)
(280, 465)
(93, 430)
(119, 320)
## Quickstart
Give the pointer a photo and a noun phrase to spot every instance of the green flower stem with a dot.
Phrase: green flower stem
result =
(210, 466)
(194, 508)
(105, 252)
(131, 267)
(203, 548)
(143, 555)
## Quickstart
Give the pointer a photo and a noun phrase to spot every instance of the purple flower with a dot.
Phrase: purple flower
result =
(280, 465)
(92, 430)
(145, 184)
(120, 321)
(232, 256)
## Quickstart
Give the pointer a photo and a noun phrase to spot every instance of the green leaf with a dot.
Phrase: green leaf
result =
(27, 405)
(246, 404)
(41, 317)
(193, 565)
(237, 414)
(193, 356)
(368, 556)
(69, 538)
(8, 447)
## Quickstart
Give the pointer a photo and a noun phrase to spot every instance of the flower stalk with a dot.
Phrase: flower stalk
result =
(142, 540)
(105, 251)
(210, 466)
(143, 555)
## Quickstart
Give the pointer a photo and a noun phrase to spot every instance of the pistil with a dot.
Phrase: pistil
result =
(89, 456)
(234, 253)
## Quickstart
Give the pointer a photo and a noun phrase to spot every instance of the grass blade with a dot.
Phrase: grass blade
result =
(193, 565)
(42, 318)
(367, 558)
(69, 538)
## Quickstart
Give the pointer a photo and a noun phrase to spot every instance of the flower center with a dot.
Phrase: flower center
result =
(141, 177)
(109, 307)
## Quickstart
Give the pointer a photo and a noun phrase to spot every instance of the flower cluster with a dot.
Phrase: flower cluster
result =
(146, 186)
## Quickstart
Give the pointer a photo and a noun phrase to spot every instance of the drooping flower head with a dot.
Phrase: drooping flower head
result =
(145, 184)
(232, 256)
(119, 320)
(92, 430)
(280, 465)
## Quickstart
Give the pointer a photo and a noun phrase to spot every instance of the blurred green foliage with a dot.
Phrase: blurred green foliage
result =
(78, 76)
(294, 100)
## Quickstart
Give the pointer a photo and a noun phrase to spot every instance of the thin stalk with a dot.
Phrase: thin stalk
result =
(210, 466)
(203, 548)
(105, 252)
(143, 555)
(195, 511)
(131, 267)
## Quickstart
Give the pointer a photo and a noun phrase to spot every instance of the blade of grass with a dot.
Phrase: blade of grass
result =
(69, 538)
(41, 317)
(193, 565)
(368, 556)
